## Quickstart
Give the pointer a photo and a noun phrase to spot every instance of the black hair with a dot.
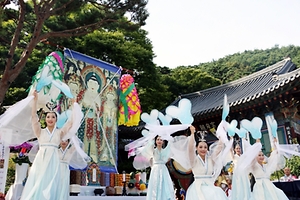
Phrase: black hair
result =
(71, 64)
(164, 144)
(252, 181)
(46, 113)
(67, 145)
(198, 139)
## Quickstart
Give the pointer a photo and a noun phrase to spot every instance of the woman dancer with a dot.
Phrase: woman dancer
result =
(160, 186)
(241, 182)
(44, 175)
(70, 154)
(204, 167)
(252, 161)
(263, 188)
(237, 154)
(65, 153)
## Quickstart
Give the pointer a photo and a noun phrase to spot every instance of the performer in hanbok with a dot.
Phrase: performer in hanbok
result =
(70, 154)
(263, 187)
(253, 161)
(204, 166)
(240, 183)
(44, 175)
(65, 153)
(237, 154)
(160, 185)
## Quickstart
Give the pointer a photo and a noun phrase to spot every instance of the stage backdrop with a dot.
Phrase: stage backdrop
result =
(95, 85)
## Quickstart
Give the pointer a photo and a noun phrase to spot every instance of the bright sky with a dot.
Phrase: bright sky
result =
(189, 32)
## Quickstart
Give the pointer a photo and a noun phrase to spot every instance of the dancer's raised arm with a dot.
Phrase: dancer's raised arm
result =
(191, 147)
(36, 126)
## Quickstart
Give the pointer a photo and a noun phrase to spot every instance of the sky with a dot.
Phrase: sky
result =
(190, 32)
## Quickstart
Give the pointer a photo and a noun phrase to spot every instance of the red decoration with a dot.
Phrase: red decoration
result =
(137, 185)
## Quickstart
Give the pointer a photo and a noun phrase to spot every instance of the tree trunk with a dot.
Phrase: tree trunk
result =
(9, 75)
(44, 9)
(4, 85)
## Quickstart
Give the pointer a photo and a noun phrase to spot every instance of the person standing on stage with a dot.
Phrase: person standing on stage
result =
(160, 185)
(204, 165)
(44, 175)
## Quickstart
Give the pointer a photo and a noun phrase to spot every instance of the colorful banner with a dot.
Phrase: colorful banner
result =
(95, 84)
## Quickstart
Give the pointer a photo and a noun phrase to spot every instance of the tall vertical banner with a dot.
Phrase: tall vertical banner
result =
(4, 158)
(94, 84)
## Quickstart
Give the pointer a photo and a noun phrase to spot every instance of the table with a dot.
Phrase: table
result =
(89, 190)
(291, 189)
(107, 197)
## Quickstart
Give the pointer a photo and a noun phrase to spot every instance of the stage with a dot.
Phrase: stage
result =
(107, 197)
(87, 193)
(291, 189)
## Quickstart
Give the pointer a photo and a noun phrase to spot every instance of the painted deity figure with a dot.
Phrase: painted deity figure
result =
(90, 101)
(109, 119)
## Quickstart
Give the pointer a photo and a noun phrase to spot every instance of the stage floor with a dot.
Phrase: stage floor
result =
(107, 197)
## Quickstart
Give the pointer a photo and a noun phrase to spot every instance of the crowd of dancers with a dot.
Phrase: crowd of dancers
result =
(206, 163)
(59, 148)
(207, 160)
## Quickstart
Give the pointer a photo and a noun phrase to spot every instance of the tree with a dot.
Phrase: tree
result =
(184, 80)
(238, 65)
(131, 50)
(37, 21)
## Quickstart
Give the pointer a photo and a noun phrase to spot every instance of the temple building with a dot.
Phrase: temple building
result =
(271, 91)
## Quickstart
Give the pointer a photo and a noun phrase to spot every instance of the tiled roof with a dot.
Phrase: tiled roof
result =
(243, 90)
(239, 92)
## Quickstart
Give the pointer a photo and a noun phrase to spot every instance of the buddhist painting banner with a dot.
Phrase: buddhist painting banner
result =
(94, 84)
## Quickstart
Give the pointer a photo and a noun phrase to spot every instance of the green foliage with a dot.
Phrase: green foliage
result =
(188, 79)
(14, 94)
(276, 175)
(238, 65)
(132, 50)
(124, 44)
(21, 159)
(183, 80)
(10, 176)
(22, 35)
(294, 164)
(19, 88)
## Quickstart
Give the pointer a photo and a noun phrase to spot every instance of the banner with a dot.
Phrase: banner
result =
(4, 157)
(94, 84)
